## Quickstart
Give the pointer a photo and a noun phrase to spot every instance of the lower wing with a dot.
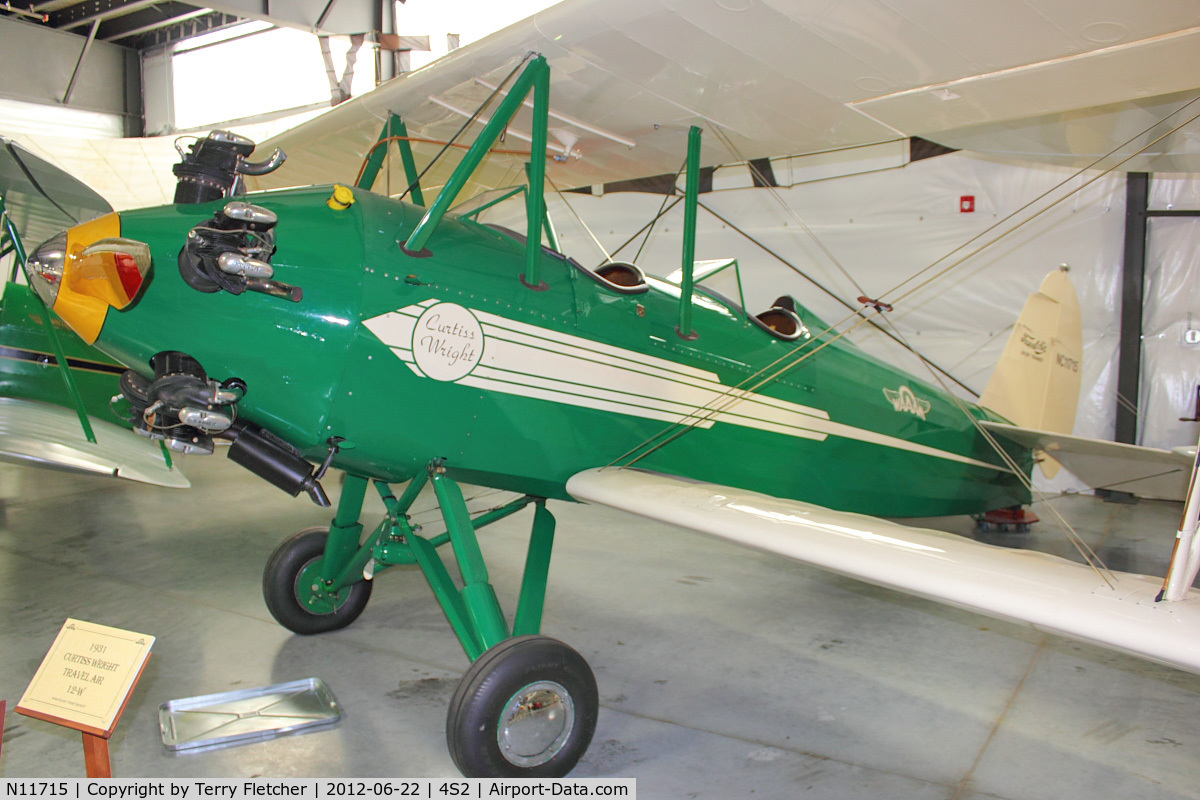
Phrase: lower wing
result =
(1046, 592)
(45, 435)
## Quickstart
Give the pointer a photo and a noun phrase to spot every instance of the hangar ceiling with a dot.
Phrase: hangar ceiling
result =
(141, 24)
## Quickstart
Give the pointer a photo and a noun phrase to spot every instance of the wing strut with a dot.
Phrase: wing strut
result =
(1185, 558)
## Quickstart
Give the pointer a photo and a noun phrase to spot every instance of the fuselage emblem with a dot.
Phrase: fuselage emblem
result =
(905, 401)
(447, 342)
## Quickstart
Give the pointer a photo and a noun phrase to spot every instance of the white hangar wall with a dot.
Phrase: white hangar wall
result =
(884, 226)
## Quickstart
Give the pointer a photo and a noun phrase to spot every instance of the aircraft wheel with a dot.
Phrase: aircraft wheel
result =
(525, 709)
(291, 587)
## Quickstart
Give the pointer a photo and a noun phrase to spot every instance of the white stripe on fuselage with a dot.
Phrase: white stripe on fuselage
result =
(530, 361)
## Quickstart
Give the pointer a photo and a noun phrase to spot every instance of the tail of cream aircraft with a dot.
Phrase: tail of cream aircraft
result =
(1036, 383)
(1036, 387)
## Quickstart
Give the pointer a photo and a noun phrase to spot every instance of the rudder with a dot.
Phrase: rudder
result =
(1036, 383)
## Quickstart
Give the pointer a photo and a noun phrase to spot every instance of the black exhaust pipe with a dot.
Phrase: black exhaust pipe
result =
(274, 460)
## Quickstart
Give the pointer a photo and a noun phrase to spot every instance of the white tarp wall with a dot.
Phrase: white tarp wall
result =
(885, 226)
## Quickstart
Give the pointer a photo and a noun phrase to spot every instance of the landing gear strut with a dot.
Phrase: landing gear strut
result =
(527, 706)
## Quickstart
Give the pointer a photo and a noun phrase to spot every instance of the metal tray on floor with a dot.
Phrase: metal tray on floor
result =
(246, 715)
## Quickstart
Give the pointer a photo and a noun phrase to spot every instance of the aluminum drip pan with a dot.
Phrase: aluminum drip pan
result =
(247, 715)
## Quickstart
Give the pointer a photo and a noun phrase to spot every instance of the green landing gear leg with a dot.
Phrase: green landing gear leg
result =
(527, 706)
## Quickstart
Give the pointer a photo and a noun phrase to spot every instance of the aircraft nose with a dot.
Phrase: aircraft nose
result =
(88, 269)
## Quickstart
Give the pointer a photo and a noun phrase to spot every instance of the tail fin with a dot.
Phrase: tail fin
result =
(1036, 383)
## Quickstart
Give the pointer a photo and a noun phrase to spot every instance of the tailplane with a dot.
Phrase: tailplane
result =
(1036, 383)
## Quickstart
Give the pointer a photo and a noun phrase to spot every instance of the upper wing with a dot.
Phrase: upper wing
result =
(1037, 589)
(1067, 79)
(1144, 471)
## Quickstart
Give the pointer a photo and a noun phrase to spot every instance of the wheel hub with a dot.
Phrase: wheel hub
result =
(535, 723)
(311, 591)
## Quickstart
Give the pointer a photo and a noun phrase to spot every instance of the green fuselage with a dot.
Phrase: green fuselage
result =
(451, 356)
(30, 369)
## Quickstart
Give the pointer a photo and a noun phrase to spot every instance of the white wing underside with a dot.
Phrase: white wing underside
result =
(1057, 80)
(49, 436)
(1046, 592)
(1144, 471)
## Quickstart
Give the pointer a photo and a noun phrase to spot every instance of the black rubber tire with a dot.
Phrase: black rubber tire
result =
(492, 681)
(280, 590)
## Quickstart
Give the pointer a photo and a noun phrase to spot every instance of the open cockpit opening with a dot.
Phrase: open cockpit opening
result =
(781, 320)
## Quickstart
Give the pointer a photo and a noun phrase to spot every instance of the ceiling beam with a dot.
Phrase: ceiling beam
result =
(115, 11)
(165, 22)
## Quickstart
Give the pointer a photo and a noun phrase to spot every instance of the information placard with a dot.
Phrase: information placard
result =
(86, 677)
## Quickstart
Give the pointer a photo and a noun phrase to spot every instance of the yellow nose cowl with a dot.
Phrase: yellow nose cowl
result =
(102, 271)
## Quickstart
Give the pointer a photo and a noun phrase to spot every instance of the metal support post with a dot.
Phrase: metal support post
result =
(475, 212)
(691, 198)
(378, 153)
(475, 155)
(537, 570)
(1133, 283)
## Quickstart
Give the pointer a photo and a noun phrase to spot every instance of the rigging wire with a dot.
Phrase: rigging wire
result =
(737, 154)
(423, 140)
(662, 212)
(658, 216)
(579, 219)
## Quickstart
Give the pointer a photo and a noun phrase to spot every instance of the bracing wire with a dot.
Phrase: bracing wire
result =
(650, 228)
(595, 240)
(774, 194)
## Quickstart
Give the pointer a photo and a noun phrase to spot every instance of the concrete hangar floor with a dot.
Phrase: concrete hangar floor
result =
(723, 672)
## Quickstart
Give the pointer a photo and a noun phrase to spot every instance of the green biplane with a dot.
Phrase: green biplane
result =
(406, 342)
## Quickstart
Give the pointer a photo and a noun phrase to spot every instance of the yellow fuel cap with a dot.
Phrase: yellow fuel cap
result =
(341, 199)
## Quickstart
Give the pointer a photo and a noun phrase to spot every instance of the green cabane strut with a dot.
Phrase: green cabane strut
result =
(393, 130)
(536, 78)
